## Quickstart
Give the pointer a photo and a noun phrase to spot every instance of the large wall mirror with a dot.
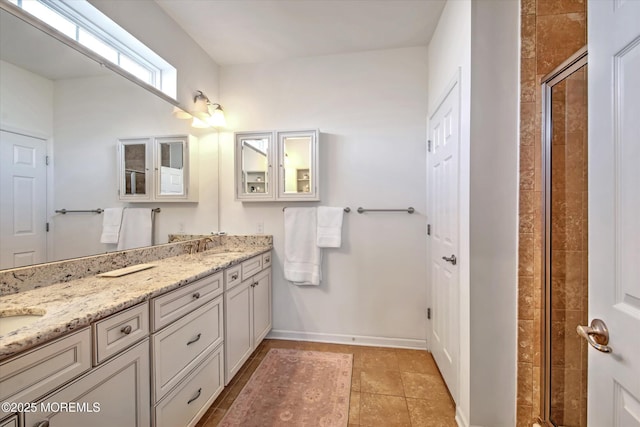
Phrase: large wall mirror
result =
(65, 109)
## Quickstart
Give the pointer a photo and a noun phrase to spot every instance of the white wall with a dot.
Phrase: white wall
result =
(90, 115)
(450, 56)
(371, 110)
(26, 103)
(494, 210)
(481, 39)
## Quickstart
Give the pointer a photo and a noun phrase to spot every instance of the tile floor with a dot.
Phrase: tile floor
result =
(389, 387)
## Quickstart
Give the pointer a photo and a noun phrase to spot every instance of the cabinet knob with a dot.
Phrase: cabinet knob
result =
(195, 397)
(196, 295)
(44, 423)
(234, 276)
(126, 330)
(196, 339)
(267, 259)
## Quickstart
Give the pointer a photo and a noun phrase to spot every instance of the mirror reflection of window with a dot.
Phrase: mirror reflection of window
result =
(255, 165)
(297, 165)
(172, 167)
(134, 168)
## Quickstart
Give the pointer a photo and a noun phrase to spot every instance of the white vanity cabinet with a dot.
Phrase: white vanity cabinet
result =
(248, 313)
(34, 373)
(187, 351)
(114, 394)
(277, 165)
(158, 169)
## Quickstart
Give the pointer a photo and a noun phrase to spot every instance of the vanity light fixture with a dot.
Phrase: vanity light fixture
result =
(206, 113)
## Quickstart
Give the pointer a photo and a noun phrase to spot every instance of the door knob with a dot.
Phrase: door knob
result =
(597, 335)
(452, 259)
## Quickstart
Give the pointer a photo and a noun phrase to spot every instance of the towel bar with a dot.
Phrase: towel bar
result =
(408, 210)
(347, 209)
(65, 211)
(98, 211)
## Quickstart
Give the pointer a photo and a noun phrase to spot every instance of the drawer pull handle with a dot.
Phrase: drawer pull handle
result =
(267, 259)
(126, 329)
(44, 423)
(234, 276)
(194, 397)
(196, 295)
(196, 339)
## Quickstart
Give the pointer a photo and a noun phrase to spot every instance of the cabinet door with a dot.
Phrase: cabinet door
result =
(298, 165)
(238, 339)
(254, 173)
(135, 157)
(114, 394)
(261, 306)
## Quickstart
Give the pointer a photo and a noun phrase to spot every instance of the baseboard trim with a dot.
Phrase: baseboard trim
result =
(461, 420)
(348, 339)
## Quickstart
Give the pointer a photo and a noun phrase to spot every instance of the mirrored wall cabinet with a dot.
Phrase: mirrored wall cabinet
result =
(158, 168)
(277, 165)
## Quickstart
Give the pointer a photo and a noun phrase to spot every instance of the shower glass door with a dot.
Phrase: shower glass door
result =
(566, 251)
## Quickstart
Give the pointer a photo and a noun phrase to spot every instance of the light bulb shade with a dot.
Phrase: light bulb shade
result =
(200, 124)
(200, 104)
(217, 119)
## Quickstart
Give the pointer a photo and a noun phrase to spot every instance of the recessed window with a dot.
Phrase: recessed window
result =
(80, 21)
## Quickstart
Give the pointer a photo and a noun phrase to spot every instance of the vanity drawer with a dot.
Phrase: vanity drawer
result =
(179, 347)
(10, 422)
(178, 303)
(28, 376)
(251, 267)
(186, 404)
(232, 276)
(119, 331)
(266, 260)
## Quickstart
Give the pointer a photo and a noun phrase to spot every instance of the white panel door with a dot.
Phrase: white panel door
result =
(442, 203)
(23, 190)
(614, 209)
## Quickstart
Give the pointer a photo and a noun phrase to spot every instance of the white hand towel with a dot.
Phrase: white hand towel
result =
(302, 256)
(136, 228)
(330, 227)
(111, 225)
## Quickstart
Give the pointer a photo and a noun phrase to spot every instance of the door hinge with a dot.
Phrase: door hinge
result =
(429, 145)
(429, 313)
(428, 229)
(47, 227)
(46, 160)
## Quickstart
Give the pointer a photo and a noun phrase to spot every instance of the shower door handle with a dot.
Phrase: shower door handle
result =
(597, 335)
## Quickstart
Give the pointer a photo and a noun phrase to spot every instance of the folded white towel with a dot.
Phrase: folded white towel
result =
(136, 228)
(111, 225)
(330, 227)
(302, 256)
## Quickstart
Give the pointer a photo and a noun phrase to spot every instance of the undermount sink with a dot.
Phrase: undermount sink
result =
(12, 321)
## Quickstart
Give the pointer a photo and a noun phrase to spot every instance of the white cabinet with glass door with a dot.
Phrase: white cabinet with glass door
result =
(153, 169)
(277, 165)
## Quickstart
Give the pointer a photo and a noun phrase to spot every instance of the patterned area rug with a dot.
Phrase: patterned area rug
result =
(295, 388)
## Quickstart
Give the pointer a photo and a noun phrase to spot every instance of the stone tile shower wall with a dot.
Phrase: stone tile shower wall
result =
(552, 30)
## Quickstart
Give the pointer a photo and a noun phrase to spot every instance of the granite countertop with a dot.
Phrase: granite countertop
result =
(75, 304)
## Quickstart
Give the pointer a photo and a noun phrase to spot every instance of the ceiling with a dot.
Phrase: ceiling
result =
(252, 31)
